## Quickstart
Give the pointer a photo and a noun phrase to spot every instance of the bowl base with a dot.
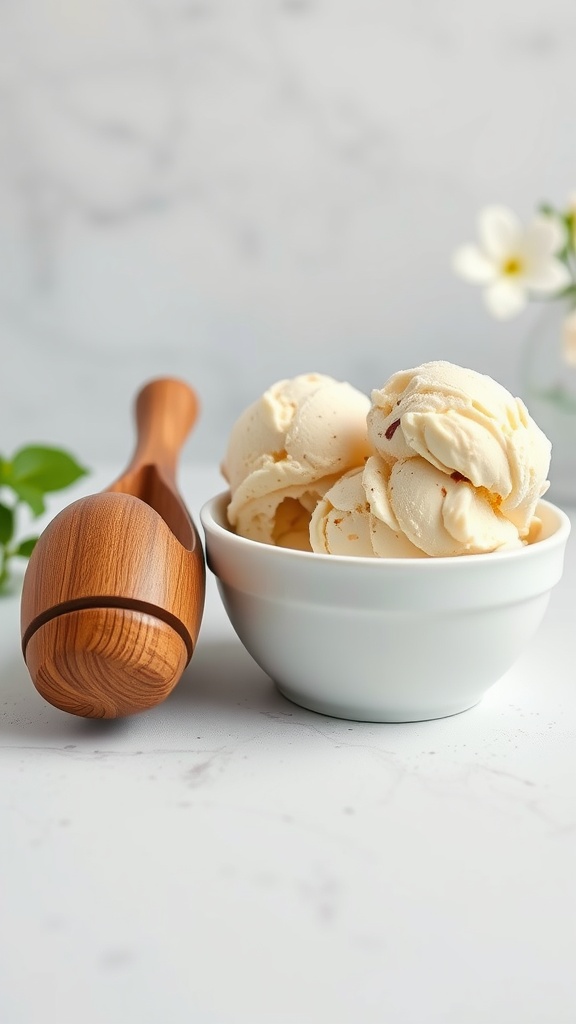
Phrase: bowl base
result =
(378, 715)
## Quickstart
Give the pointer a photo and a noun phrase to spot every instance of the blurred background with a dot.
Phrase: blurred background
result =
(235, 191)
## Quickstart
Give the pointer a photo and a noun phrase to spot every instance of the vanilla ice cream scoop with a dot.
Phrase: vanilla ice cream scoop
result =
(286, 450)
(440, 515)
(343, 522)
(470, 429)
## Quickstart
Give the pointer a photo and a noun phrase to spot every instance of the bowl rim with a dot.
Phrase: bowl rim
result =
(212, 524)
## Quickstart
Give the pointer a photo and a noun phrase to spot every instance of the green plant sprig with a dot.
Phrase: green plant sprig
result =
(25, 480)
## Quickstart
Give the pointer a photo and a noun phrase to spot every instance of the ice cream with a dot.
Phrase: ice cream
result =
(439, 515)
(442, 461)
(286, 450)
(344, 521)
(467, 464)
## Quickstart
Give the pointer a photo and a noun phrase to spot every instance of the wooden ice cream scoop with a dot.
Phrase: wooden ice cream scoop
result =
(114, 590)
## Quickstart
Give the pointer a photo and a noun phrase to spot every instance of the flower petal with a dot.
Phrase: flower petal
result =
(545, 236)
(505, 299)
(499, 230)
(549, 278)
(470, 263)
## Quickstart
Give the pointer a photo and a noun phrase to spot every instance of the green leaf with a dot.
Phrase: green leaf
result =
(6, 524)
(31, 496)
(44, 469)
(26, 547)
(4, 471)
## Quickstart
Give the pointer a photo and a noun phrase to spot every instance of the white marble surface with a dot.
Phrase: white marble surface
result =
(240, 190)
(229, 858)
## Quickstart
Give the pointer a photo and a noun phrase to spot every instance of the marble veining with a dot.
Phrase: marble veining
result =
(236, 192)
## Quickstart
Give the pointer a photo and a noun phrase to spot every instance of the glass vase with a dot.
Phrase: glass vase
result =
(548, 381)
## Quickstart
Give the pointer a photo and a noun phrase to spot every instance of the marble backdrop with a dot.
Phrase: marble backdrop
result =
(240, 190)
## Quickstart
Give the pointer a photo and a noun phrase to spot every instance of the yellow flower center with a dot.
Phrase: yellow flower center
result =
(512, 266)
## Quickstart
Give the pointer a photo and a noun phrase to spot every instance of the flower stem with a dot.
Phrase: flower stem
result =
(4, 574)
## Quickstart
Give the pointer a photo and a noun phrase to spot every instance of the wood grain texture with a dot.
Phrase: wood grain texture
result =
(126, 661)
(131, 549)
(111, 545)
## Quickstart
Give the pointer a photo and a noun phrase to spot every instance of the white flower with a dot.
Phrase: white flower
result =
(569, 338)
(513, 260)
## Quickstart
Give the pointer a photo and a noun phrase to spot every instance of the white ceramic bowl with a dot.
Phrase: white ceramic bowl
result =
(383, 640)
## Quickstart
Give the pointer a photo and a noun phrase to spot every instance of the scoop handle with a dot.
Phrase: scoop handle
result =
(166, 410)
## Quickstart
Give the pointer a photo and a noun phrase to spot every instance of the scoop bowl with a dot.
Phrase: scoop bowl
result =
(384, 640)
